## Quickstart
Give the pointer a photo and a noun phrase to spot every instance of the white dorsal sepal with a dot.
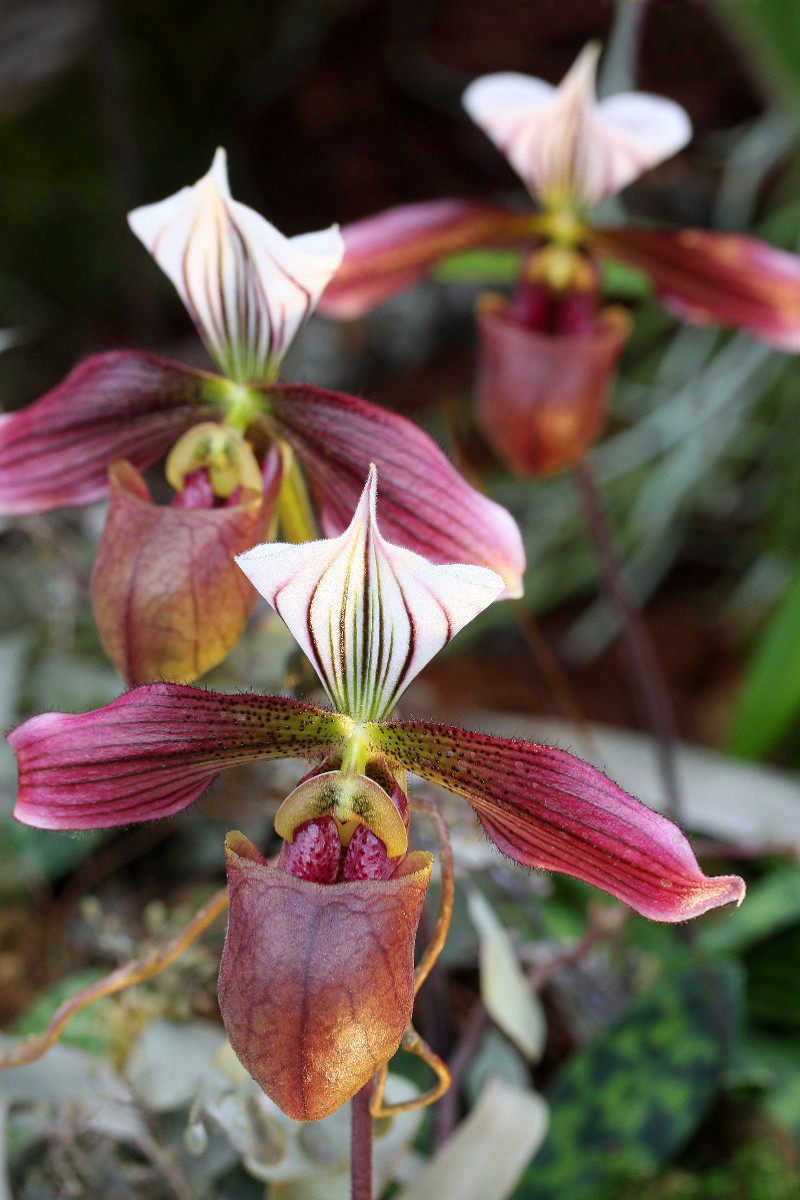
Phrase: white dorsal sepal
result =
(368, 614)
(247, 287)
(571, 150)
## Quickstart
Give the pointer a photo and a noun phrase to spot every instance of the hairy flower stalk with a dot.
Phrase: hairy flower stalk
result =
(317, 979)
(242, 451)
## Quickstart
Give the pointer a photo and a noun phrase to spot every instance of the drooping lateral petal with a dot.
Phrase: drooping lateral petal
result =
(153, 751)
(424, 503)
(56, 452)
(717, 278)
(316, 984)
(368, 614)
(545, 808)
(388, 252)
(570, 150)
(248, 288)
(169, 601)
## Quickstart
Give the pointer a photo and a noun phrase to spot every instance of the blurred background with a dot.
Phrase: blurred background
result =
(670, 1064)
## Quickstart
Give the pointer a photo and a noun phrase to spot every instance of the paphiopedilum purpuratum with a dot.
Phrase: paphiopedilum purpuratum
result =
(242, 449)
(547, 354)
(317, 979)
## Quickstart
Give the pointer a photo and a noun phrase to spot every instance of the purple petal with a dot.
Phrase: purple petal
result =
(545, 808)
(56, 452)
(717, 279)
(388, 252)
(152, 752)
(424, 504)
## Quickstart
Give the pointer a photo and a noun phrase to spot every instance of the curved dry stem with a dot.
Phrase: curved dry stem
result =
(434, 947)
(412, 1043)
(133, 972)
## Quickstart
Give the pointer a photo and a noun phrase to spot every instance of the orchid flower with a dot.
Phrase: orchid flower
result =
(317, 981)
(242, 450)
(572, 151)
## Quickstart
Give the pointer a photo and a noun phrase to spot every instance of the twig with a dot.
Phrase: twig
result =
(361, 1144)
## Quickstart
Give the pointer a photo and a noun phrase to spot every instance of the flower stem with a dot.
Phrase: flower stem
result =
(361, 1144)
(644, 673)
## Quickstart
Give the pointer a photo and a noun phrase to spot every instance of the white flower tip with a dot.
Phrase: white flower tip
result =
(371, 490)
(571, 151)
(219, 171)
(582, 75)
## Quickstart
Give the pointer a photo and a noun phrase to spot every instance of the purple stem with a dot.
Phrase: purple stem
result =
(361, 1144)
(644, 673)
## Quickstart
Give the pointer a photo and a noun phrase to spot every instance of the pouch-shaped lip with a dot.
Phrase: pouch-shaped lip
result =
(316, 984)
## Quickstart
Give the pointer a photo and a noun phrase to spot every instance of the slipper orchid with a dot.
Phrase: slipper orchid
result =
(573, 151)
(241, 449)
(317, 978)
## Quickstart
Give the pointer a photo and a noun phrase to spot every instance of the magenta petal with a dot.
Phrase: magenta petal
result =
(388, 252)
(152, 752)
(127, 405)
(545, 808)
(717, 278)
(423, 504)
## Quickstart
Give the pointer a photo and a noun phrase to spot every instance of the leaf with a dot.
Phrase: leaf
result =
(89, 1030)
(770, 697)
(506, 993)
(29, 857)
(623, 281)
(768, 34)
(774, 1062)
(167, 1062)
(630, 1100)
(480, 266)
(494, 1058)
(484, 1157)
(64, 1075)
(772, 993)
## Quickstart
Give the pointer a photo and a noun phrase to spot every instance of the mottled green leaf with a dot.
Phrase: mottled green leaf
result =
(773, 1065)
(632, 1098)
